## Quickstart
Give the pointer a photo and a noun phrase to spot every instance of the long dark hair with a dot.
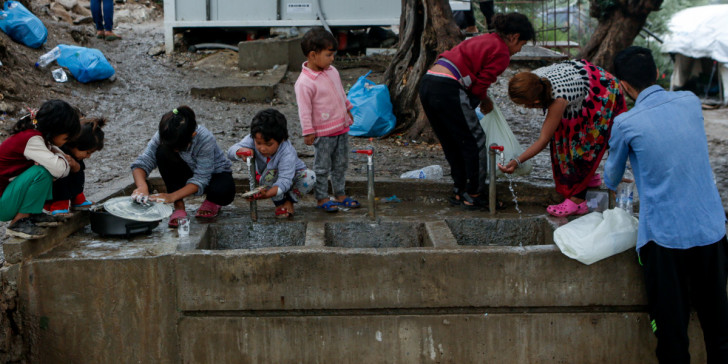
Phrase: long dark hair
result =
(514, 23)
(91, 136)
(176, 128)
(54, 118)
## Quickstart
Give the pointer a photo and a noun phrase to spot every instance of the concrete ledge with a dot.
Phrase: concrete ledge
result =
(18, 250)
(238, 88)
(346, 278)
(266, 53)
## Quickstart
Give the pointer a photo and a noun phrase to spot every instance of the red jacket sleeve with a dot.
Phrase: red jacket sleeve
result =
(489, 73)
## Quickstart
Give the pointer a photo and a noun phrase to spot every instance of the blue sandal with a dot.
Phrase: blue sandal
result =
(349, 202)
(329, 206)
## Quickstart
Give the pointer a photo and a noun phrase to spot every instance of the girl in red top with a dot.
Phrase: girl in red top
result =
(453, 88)
(29, 161)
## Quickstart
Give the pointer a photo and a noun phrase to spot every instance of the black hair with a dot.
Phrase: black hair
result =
(271, 124)
(318, 39)
(514, 23)
(55, 117)
(91, 136)
(636, 66)
(176, 128)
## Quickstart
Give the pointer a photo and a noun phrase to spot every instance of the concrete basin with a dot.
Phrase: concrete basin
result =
(534, 230)
(249, 235)
(375, 234)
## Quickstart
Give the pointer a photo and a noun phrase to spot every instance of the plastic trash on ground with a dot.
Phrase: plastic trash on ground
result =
(497, 131)
(597, 235)
(429, 172)
(372, 110)
(21, 25)
(59, 75)
(49, 57)
(85, 64)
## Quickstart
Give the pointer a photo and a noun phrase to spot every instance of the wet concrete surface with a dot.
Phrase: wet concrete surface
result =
(398, 225)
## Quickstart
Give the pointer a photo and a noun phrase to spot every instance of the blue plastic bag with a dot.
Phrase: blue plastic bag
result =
(372, 110)
(85, 64)
(22, 26)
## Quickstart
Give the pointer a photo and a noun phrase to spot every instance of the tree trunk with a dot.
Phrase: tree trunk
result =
(619, 23)
(426, 29)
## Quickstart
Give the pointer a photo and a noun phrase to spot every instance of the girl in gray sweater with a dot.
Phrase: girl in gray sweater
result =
(190, 163)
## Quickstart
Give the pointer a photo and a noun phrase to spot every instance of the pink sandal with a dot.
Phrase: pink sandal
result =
(596, 181)
(174, 218)
(568, 208)
(211, 209)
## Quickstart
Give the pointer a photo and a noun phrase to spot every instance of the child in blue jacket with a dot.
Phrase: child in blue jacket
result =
(283, 175)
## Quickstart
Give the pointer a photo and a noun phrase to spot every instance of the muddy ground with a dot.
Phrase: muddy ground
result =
(148, 86)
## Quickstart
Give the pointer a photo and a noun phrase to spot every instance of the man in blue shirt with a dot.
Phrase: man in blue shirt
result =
(681, 241)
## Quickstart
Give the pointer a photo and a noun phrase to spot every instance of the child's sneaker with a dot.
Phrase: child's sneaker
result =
(47, 220)
(80, 202)
(25, 229)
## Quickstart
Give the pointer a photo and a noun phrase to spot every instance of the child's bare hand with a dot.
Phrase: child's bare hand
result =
(350, 116)
(261, 195)
(75, 167)
(309, 139)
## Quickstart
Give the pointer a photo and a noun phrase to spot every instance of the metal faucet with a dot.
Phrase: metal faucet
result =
(492, 151)
(250, 162)
(371, 211)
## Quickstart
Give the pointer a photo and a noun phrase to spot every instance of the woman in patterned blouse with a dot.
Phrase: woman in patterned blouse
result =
(580, 101)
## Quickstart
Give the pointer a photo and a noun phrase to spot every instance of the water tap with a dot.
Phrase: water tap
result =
(494, 149)
(370, 180)
(250, 162)
(498, 149)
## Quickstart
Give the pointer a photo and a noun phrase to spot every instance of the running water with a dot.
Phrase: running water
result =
(513, 192)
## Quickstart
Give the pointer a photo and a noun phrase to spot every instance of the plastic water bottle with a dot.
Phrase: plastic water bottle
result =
(429, 172)
(183, 228)
(49, 57)
(625, 194)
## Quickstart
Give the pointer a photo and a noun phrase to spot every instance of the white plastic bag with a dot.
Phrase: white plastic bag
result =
(597, 235)
(497, 131)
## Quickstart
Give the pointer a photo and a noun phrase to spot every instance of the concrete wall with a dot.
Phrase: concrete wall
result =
(441, 303)
(100, 310)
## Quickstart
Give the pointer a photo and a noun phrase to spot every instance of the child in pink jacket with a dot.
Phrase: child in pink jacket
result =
(325, 117)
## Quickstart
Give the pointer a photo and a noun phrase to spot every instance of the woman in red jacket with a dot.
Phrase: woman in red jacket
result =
(455, 85)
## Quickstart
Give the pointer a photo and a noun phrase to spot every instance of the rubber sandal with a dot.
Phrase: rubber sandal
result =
(100, 34)
(568, 208)
(60, 212)
(112, 37)
(456, 198)
(329, 206)
(282, 213)
(473, 203)
(596, 181)
(349, 202)
(212, 208)
(174, 218)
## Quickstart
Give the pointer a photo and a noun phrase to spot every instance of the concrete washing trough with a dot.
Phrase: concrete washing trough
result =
(423, 283)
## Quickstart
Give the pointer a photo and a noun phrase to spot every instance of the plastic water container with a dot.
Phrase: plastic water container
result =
(49, 57)
(429, 172)
(597, 200)
(625, 193)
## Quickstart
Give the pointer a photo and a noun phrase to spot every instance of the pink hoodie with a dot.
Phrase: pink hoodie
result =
(322, 103)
